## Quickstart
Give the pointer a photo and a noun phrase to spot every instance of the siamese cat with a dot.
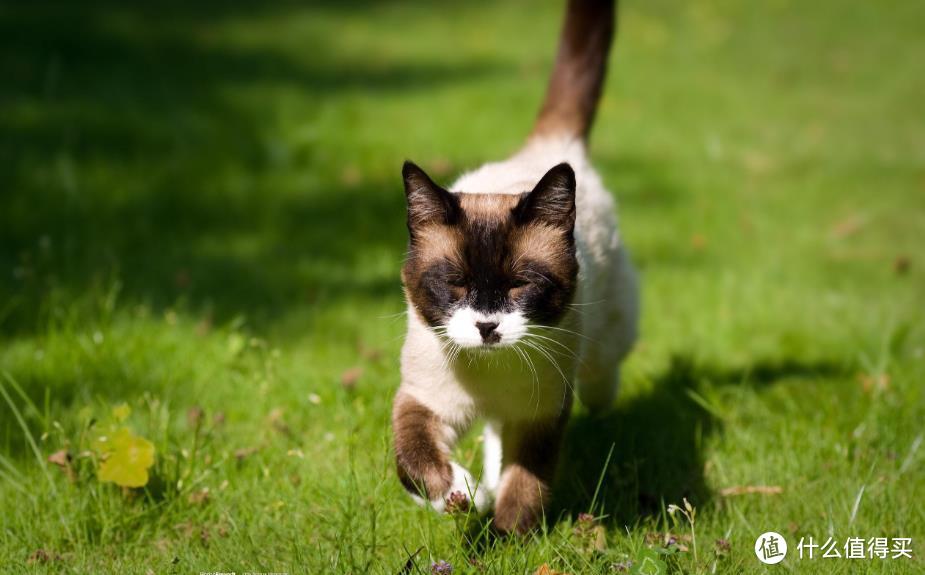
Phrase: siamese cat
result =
(520, 291)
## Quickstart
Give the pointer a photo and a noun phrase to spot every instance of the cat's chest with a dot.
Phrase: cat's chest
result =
(516, 383)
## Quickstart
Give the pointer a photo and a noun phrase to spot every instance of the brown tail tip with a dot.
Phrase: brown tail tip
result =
(579, 72)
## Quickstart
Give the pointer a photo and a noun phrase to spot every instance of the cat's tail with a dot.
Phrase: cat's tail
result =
(578, 75)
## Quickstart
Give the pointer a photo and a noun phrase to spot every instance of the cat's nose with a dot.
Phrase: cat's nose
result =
(487, 329)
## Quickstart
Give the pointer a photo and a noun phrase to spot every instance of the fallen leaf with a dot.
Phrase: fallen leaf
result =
(600, 538)
(848, 226)
(348, 379)
(127, 458)
(39, 556)
(194, 416)
(63, 460)
(370, 353)
(749, 489)
(187, 528)
(878, 382)
(545, 569)
(244, 453)
(199, 497)
(275, 419)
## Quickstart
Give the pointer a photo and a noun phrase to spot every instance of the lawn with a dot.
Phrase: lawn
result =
(202, 220)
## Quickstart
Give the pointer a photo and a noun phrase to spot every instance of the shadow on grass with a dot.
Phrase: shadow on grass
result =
(139, 147)
(656, 441)
(653, 444)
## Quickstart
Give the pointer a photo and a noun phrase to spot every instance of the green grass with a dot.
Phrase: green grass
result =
(200, 205)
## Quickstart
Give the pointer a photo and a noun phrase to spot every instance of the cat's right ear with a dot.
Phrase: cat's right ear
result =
(552, 201)
(428, 203)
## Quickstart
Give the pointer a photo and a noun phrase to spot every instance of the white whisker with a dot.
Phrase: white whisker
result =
(564, 330)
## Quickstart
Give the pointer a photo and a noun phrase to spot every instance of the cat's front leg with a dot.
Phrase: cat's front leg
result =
(530, 453)
(422, 445)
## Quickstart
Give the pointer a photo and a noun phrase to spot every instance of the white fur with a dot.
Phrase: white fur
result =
(461, 327)
(464, 483)
(510, 386)
(463, 331)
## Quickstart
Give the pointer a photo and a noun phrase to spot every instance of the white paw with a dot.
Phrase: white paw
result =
(465, 489)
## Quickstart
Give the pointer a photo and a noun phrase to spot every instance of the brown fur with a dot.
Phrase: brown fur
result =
(490, 208)
(419, 452)
(487, 230)
(526, 482)
(543, 243)
(435, 242)
(580, 68)
(537, 241)
(520, 503)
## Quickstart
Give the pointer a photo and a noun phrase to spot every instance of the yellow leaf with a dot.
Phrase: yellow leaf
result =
(545, 569)
(121, 412)
(127, 459)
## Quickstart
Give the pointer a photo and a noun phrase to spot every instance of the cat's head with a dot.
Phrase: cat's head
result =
(481, 268)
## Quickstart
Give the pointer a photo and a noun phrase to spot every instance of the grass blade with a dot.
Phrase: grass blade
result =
(25, 429)
(600, 480)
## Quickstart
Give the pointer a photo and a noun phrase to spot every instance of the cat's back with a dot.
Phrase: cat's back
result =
(519, 173)
(595, 225)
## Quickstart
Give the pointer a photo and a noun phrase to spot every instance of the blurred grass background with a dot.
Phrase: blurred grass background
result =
(200, 206)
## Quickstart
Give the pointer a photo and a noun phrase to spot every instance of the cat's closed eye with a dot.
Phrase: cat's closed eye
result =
(456, 281)
(517, 283)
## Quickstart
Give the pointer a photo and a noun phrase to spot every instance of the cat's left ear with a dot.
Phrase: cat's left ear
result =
(552, 201)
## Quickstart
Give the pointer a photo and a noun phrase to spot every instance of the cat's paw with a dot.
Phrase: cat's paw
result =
(464, 492)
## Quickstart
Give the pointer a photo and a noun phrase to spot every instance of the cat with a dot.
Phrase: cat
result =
(519, 289)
